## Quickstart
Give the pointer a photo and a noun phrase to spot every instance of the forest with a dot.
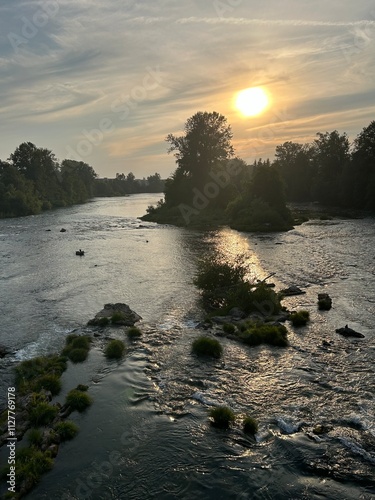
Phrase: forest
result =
(212, 186)
(32, 180)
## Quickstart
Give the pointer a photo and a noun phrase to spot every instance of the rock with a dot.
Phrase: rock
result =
(62, 230)
(3, 351)
(349, 332)
(124, 315)
(324, 302)
(292, 290)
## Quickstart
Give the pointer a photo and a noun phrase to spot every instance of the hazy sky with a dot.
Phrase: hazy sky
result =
(106, 81)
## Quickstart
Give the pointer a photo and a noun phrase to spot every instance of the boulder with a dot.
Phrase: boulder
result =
(324, 302)
(292, 290)
(62, 230)
(3, 351)
(349, 332)
(124, 316)
(236, 313)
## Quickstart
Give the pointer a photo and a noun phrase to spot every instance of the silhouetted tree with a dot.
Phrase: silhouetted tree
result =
(206, 143)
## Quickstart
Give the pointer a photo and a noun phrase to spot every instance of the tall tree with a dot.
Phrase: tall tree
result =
(206, 144)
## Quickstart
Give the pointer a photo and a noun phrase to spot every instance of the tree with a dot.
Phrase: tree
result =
(206, 144)
(294, 162)
(331, 153)
(361, 182)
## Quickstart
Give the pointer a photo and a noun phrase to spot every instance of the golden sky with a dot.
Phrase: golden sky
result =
(105, 82)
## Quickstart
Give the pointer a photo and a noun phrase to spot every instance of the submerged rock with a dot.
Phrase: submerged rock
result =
(119, 314)
(3, 351)
(324, 302)
(292, 290)
(349, 332)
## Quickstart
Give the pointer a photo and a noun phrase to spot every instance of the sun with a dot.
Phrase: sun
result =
(252, 101)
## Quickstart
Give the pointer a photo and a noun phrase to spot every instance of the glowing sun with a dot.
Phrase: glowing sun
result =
(252, 102)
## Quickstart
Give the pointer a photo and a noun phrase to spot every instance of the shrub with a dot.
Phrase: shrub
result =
(206, 346)
(224, 285)
(31, 463)
(229, 328)
(300, 318)
(66, 430)
(31, 369)
(77, 347)
(35, 437)
(50, 383)
(275, 335)
(42, 414)
(324, 302)
(77, 355)
(117, 318)
(222, 416)
(134, 332)
(250, 425)
(115, 349)
(103, 321)
(78, 400)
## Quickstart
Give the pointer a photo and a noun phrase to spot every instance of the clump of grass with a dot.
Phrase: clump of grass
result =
(206, 346)
(222, 416)
(50, 383)
(35, 437)
(300, 318)
(250, 425)
(78, 400)
(31, 464)
(103, 321)
(66, 430)
(42, 414)
(77, 347)
(229, 328)
(28, 371)
(324, 302)
(115, 349)
(275, 335)
(117, 318)
(134, 332)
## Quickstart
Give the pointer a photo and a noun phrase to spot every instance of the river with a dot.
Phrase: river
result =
(147, 434)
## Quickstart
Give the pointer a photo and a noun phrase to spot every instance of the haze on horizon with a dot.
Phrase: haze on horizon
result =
(106, 83)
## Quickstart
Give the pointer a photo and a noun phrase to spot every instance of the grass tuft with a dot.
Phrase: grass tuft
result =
(206, 346)
(222, 416)
(78, 400)
(115, 349)
(66, 430)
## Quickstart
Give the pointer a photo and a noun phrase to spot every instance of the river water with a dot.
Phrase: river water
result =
(147, 435)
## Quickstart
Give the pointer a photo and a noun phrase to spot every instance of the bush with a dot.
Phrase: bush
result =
(134, 332)
(225, 285)
(35, 437)
(31, 463)
(31, 369)
(42, 414)
(300, 318)
(77, 347)
(229, 328)
(206, 346)
(117, 318)
(115, 349)
(77, 355)
(78, 400)
(222, 416)
(250, 425)
(103, 321)
(50, 383)
(275, 335)
(66, 430)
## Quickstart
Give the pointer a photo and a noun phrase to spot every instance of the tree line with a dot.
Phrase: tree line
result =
(32, 180)
(212, 185)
